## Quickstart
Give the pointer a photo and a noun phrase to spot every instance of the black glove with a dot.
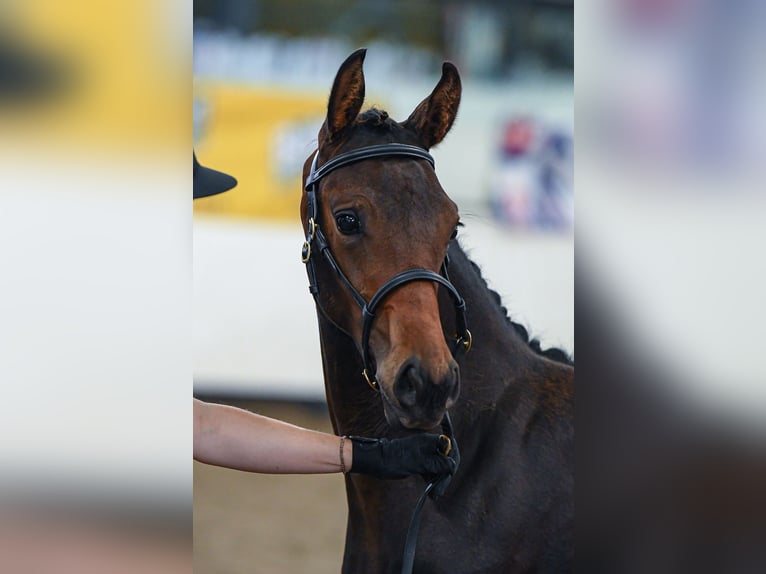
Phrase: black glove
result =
(401, 457)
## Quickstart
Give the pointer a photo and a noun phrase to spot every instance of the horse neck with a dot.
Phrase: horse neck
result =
(498, 353)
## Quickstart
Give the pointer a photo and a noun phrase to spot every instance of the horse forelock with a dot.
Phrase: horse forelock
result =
(374, 118)
(372, 126)
(376, 126)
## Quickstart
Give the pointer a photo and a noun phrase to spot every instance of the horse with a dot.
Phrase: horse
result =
(395, 293)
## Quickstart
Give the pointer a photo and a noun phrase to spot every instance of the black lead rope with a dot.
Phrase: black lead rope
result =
(435, 488)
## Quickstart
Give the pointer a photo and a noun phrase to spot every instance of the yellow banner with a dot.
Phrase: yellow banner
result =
(261, 136)
(102, 76)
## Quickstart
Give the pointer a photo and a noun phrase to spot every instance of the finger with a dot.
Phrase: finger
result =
(427, 444)
(441, 465)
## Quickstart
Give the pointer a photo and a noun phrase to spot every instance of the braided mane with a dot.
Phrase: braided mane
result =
(553, 353)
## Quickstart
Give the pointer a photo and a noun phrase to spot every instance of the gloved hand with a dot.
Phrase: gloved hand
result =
(402, 457)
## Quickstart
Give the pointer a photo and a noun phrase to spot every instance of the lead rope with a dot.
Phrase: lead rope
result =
(439, 483)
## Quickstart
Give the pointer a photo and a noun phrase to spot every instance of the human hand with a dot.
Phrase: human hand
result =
(398, 458)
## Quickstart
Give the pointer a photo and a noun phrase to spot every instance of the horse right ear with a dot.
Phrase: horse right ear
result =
(347, 95)
(433, 117)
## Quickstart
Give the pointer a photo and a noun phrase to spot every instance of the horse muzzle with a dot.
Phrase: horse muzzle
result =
(419, 398)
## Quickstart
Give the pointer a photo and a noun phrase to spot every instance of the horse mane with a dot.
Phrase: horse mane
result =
(553, 353)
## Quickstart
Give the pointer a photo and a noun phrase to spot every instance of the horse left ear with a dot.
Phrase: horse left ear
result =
(433, 117)
(347, 95)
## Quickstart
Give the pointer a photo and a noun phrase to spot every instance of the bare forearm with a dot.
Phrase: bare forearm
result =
(235, 438)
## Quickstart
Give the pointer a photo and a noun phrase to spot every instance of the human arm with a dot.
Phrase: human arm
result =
(239, 439)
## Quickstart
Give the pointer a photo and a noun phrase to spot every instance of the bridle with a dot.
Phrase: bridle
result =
(317, 242)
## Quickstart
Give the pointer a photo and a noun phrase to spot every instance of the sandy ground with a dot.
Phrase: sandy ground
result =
(269, 523)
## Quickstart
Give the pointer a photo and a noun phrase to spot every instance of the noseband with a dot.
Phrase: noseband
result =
(316, 241)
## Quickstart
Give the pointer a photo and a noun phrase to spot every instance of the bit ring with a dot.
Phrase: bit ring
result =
(447, 445)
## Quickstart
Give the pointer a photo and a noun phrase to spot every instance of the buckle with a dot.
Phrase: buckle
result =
(373, 384)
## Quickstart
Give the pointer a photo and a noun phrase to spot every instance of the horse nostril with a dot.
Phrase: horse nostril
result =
(453, 381)
(408, 384)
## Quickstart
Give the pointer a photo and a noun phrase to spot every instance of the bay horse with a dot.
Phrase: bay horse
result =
(395, 293)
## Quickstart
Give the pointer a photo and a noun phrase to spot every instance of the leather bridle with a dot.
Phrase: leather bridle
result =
(316, 241)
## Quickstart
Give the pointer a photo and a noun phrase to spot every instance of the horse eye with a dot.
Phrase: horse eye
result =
(348, 222)
(454, 234)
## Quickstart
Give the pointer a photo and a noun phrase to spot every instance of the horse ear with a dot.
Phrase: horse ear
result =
(433, 117)
(347, 94)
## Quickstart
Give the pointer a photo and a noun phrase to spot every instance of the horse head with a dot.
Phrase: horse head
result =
(379, 217)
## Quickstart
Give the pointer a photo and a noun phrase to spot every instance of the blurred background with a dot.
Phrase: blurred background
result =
(671, 220)
(263, 70)
(95, 286)
(96, 228)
